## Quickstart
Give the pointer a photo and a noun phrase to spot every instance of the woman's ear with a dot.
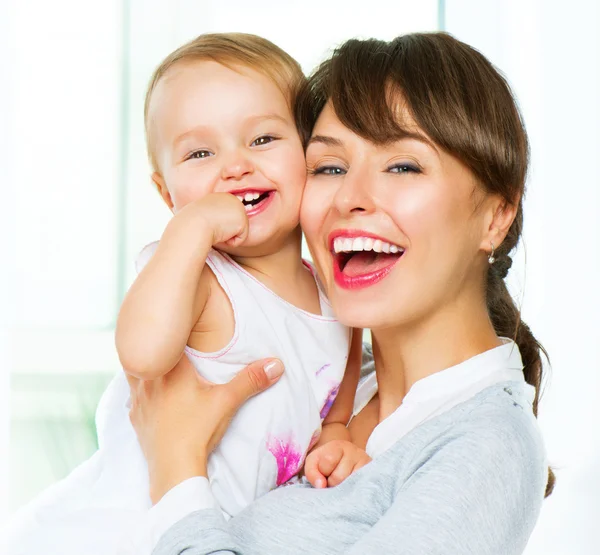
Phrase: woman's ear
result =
(161, 186)
(499, 217)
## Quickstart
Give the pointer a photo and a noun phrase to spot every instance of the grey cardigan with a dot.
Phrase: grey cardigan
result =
(470, 481)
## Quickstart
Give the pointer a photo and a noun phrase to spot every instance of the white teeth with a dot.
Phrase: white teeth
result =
(358, 244)
(248, 197)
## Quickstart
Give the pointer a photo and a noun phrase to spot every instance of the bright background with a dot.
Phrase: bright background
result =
(78, 205)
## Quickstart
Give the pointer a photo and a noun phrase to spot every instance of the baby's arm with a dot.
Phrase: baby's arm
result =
(336, 421)
(334, 457)
(170, 293)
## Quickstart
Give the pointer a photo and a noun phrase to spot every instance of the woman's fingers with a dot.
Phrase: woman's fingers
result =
(180, 417)
(253, 379)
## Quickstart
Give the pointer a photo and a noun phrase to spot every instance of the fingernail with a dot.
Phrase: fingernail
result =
(273, 369)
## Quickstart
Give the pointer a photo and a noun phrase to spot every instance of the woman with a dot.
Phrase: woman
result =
(416, 143)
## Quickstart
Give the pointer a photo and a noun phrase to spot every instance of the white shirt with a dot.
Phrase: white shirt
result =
(439, 392)
(427, 398)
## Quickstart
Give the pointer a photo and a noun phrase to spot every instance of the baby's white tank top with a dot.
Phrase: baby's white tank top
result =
(268, 439)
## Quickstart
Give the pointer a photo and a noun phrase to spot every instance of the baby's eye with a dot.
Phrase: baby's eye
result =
(263, 140)
(199, 154)
(328, 170)
(404, 168)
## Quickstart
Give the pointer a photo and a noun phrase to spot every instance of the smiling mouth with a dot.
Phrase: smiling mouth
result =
(252, 199)
(363, 261)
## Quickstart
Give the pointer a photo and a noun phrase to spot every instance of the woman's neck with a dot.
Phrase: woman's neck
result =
(407, 354)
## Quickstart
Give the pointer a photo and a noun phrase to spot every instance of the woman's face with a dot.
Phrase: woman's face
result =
(396, 231)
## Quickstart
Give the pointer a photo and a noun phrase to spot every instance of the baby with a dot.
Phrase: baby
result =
(225, 286)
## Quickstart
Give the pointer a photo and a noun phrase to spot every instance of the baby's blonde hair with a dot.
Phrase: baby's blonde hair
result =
(231, 49)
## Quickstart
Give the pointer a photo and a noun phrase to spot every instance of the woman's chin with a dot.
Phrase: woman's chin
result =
(357, 314)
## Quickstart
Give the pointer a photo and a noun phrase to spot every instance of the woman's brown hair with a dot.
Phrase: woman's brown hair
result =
(463, 104)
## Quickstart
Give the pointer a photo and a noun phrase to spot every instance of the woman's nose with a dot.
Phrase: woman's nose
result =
(353, 195)
(236, 166)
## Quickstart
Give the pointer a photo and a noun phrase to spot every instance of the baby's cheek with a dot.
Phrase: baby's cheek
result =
(184, 191)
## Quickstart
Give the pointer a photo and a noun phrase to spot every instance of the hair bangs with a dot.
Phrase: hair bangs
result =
(359, 82)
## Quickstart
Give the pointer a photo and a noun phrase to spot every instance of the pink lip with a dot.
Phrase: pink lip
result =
(249, 190)
(262, 206)
(361, 281)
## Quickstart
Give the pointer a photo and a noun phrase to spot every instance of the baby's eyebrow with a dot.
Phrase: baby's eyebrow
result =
(199, 129)
(263, 117)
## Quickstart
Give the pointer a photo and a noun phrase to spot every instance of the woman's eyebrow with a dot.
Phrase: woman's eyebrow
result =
(419, 138)
(325, 140)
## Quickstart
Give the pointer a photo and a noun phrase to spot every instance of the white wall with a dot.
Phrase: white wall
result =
(66, 56)
(550, 52)
(6, 245)
(60, 210)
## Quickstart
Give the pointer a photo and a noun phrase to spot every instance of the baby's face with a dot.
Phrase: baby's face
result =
(214, 129)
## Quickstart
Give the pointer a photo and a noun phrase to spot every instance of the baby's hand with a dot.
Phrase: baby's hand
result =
(228, 215)
(222, 215)
(330, 464)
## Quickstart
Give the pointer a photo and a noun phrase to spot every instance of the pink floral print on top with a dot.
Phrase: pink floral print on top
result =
(288, 455)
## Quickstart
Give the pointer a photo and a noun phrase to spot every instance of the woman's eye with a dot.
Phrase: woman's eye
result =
(328, 170)
(263, 140)
(404, 168)
(199, 154)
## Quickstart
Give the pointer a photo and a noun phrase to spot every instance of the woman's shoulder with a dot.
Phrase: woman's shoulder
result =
(505, 408)
(495, 430)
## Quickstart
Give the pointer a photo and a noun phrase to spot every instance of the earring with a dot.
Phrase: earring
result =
(491, 257)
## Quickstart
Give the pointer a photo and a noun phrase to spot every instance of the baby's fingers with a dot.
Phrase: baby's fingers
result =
(322, 462)
(312, 472)
(343, 469)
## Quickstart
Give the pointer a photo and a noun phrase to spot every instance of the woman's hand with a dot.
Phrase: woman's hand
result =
(180, 417)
